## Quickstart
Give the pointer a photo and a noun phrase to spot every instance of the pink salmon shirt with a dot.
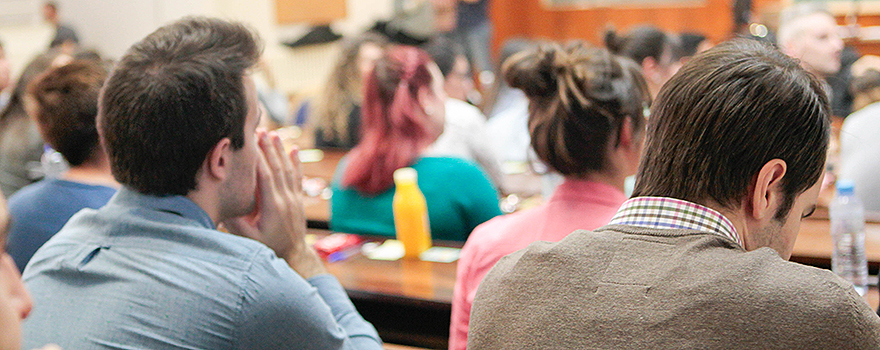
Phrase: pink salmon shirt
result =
(575, 205)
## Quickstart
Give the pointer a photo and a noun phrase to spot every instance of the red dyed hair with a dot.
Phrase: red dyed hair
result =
(395, 128)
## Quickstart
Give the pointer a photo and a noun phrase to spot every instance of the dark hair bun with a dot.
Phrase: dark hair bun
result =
(534, 71)
(612, 41)
(579, 97)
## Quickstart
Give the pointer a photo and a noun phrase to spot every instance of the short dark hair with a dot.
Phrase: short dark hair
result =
(643, 42)
(171, 98)
(724, 115)
(67, 104)
(690, 43)
(579, 97)
(444, 52)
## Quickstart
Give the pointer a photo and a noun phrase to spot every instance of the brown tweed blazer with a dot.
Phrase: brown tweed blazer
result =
(625, 287)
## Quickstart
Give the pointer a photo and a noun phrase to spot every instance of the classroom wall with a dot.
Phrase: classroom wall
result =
(112, 26)
(535, 19)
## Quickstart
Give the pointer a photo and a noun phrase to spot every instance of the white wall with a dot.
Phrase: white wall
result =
(113, 25)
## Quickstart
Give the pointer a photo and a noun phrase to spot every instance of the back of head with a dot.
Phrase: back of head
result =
(343, 87)
(690, 43)
(793, 21)
(641, 43)
(65, 106)
(15, 107)
(396, 129)
(723, 116)
(579, 97)
(865, 84)
(171, 98)
(444, 52)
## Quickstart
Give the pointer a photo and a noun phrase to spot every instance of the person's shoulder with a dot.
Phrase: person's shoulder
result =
(464, 113)
(805, 290)
(448, 165)
(30, 197)
(868, 115)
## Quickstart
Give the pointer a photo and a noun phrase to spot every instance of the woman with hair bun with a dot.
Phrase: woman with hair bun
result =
(587, 110)
(403, 114)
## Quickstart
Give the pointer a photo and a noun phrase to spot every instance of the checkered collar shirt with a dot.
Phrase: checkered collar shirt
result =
(671, 213)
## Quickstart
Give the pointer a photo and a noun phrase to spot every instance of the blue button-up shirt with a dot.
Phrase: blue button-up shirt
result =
(148, 272)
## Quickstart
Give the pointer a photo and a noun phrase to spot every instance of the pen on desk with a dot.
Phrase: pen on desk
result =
(343, 254)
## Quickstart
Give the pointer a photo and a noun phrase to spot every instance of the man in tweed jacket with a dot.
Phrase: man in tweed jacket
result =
(733, 160)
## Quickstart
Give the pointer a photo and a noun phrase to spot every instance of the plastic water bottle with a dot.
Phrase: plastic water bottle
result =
(848, 232)
(410, 213)
(52, 163)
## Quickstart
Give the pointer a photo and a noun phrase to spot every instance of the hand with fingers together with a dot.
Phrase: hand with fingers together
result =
(279, 219)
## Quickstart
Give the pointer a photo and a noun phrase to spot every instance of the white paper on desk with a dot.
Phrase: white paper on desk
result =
(441, 254)
(391, 250)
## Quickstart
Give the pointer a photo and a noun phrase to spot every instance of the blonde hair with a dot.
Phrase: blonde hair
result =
(343, 88)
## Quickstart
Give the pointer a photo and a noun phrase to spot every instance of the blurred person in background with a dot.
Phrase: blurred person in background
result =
(508, 110)
(658, 53)
(473, 30)
(464, 132)
(404, 112)
(692, 44)
(586, 123)
(64, 103)
(65, 36)
(337, 111)
(5, 72)
(808, 32)
(21, 146)
(859, 144)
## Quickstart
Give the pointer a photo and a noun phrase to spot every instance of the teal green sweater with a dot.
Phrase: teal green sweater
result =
(460, 196)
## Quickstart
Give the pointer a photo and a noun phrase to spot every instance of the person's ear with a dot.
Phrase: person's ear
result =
(219, 159)
(627, 137)
(426, 98)
(767, 192)
(649, 68)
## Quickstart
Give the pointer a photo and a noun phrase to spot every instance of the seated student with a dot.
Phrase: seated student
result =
(697, 258)
(586, 123)
(20, 142)
(64, 103)
(508, 110)
(337, 116)
(464, 132)
(859, 144)
(149, 270)
(657, 52)
(403, 115)
(15, 303)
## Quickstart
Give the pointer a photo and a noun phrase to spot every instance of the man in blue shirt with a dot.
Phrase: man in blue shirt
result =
(63, 103)
(149, 270)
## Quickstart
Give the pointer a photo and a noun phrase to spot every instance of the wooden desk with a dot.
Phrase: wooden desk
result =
(409, 302)
(814, 247)
(325, 167)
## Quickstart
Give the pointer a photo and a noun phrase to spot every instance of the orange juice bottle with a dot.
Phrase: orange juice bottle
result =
(410, 213)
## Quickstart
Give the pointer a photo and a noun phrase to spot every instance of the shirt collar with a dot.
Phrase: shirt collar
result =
(177, 205)
(671, 213)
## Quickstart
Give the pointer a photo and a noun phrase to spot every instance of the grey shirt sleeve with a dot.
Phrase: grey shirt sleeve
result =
(280, 310)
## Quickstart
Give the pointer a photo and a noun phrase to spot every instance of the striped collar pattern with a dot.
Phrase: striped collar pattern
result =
(671, 213)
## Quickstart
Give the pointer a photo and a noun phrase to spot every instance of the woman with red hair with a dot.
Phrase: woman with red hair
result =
(403, 113)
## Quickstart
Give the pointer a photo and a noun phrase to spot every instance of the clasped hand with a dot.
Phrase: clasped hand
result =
(279, 219)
